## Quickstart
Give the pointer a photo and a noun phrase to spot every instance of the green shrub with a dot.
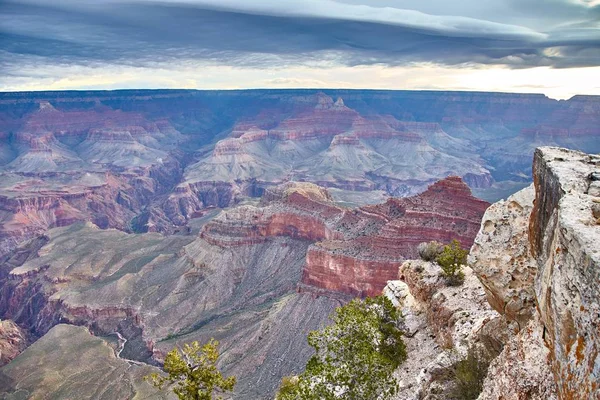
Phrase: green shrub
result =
(451, 260)
(428, 251)
(288, 388)
(468, 375)
(355, 357)
(192, 372)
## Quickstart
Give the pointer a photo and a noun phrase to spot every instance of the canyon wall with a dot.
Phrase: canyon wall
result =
(154, 160)
(537, 257)
(258, 277)
(529, 304)
(352, 251)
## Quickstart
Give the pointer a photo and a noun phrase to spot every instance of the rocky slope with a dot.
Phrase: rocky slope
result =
(250, 278)
(92, 372)
(13, 340)
(441, 325)
(157, 291)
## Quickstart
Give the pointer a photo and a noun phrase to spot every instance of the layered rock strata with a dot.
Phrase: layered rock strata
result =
(236, 144)
(156, 292)
(30, 205)
(326, 142)
(354, 251)
(249, 278)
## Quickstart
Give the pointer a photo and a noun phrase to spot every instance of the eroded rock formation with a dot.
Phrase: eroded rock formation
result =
(537, 256)
(154, 160)
(354, 251)
(249, 278)
(531, 303)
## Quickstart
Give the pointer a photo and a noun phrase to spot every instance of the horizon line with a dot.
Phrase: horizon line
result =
(257, 89)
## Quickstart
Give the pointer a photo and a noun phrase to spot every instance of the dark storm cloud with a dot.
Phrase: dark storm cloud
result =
(274, 34)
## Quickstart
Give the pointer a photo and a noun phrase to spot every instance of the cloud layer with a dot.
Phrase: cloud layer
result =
(267, 34)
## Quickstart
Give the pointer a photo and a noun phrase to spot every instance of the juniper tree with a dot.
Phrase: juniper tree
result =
(355, 357)
(192, 373)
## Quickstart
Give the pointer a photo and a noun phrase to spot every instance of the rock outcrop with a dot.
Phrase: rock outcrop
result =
(353, 251)
(442, 324)
(531, 303)
(501, 256)
(521, 370)
(389, 233)
(564, 235)
(537, 256)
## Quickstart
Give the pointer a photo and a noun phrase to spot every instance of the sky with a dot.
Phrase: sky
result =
(529, 46)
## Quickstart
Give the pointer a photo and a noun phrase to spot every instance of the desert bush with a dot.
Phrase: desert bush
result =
(288, 388)
(468, 375)
(428, 251)
(451, 260)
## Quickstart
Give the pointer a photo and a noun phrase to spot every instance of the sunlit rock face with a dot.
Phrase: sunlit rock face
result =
(502, 259)
(564, 237)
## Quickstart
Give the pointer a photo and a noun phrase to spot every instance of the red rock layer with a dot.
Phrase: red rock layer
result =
(347, 274)
(299, 217)
(356, 251)
(112, 204)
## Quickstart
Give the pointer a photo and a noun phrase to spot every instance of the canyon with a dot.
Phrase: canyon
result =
(153, 160)
(165, 216)
(258, 277)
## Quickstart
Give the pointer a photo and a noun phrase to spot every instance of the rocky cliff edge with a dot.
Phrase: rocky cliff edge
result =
(536, 260)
